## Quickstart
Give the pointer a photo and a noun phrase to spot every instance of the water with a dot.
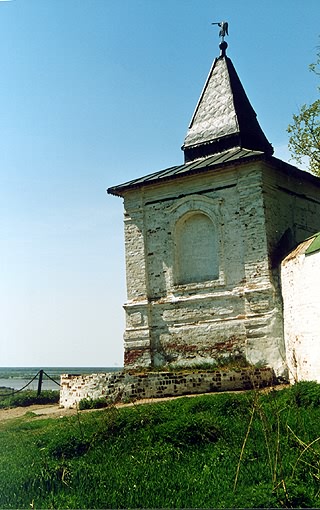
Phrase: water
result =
(17, 378)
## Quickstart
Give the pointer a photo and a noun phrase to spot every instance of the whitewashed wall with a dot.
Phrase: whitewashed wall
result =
(232, 312)
(300, 275)
(257, 210)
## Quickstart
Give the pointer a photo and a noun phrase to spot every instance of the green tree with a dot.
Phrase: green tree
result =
(304, 131)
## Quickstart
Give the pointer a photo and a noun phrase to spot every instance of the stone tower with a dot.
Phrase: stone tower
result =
(204, 239)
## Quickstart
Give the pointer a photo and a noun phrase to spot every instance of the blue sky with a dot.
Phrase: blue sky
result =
(95, 93)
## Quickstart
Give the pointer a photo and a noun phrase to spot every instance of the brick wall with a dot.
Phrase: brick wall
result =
(258, 211)
(123, 386)
(187, 323)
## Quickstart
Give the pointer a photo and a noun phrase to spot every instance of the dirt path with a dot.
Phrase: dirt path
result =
(54, 411)
(42, 411)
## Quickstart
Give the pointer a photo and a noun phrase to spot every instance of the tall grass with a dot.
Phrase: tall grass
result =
(223, 450)
(10, 398)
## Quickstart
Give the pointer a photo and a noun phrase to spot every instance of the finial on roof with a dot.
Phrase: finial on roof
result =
(224, 118)
(222, 33)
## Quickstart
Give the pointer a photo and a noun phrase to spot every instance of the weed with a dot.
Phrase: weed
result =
(93, 403)
(230, 362)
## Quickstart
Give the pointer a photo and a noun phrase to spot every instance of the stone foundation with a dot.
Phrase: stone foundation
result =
(124, 386)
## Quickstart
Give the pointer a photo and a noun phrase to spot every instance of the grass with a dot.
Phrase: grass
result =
(223, 450)
(231, 362)
(11, 398)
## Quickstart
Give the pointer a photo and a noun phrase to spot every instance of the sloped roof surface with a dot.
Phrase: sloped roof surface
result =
(307, 247)
(315, 245)
(231, 156)
(223, 130)
(215, 114)
(224, 117)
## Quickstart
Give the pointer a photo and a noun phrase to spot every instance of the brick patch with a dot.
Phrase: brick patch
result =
(124, 386)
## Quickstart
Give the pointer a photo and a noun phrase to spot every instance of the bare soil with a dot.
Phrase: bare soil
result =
(42, 411)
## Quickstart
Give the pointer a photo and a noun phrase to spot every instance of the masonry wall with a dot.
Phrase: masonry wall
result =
(238, 311)
(123, 386)
(300, 274)
(292, 210)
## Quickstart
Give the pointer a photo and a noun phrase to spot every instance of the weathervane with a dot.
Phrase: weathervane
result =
(224, 29)
(223, 32)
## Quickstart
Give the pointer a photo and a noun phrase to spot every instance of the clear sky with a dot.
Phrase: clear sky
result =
(94, 93)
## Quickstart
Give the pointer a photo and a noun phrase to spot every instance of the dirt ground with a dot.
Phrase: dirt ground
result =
(42, 411)
(54, 411)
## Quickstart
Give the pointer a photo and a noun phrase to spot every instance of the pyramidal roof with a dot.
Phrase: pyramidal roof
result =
(223, 131)
(223, 118)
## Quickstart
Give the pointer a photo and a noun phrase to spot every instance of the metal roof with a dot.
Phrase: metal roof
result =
(307, 247)
(231, 156)
(315, 245)
(224, 117)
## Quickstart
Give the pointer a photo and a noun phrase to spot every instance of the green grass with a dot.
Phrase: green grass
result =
(10, 398)
(222, 450)
(231, 362)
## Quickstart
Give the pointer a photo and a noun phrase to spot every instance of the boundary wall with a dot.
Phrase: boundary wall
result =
(130, 386)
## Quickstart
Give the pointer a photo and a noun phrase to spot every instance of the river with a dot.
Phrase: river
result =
(19, 377)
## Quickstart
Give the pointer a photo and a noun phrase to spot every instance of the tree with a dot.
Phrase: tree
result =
(305, 130)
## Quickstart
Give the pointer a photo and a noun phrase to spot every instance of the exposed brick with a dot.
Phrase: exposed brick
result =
(131, 386)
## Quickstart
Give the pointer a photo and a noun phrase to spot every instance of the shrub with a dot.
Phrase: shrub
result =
(68, 447)
(93, 403)
(306, 394)
(230, 405)
(188, 430)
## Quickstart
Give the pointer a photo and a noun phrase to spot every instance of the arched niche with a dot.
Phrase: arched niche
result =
(196, 248)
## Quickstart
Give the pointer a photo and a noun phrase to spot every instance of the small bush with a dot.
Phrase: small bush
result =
(230, 405)
(306, 394)
(202, 405)
(68, 447)
(186, 431)
(93, 403)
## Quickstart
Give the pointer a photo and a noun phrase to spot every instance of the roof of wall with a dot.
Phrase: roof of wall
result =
(220, 161)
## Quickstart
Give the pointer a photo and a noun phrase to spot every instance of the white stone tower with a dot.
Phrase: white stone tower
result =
(204, 239)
